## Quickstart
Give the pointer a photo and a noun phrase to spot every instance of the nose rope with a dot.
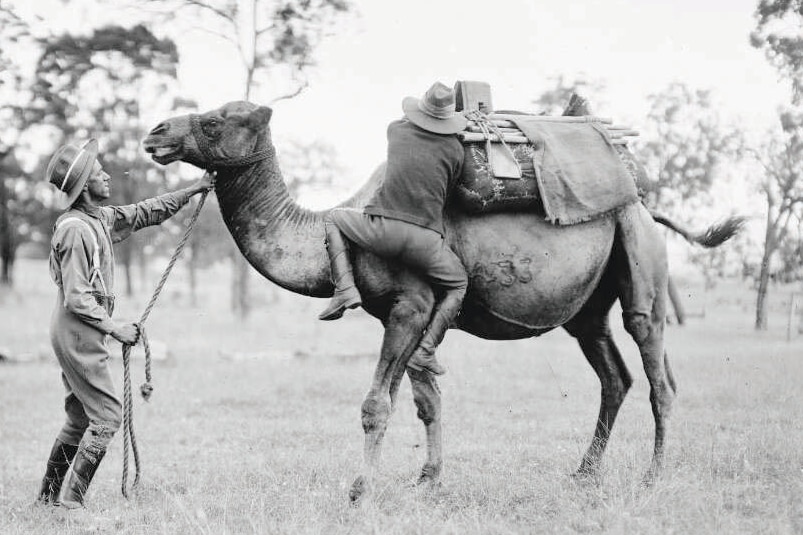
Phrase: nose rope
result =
(213, 162)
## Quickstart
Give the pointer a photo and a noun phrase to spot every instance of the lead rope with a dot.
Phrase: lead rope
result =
(146, 389)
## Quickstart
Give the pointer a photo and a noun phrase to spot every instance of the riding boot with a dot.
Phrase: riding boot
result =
(446, 311)
(79, 478)
(61, 455)
(346, 294)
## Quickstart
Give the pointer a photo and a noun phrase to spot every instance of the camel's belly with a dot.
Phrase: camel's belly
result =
(527, 276)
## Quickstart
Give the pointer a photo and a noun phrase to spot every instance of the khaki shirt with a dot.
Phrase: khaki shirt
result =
(72, 248)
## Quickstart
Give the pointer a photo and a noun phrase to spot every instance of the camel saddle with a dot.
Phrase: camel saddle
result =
(566, 168)
(570, 173)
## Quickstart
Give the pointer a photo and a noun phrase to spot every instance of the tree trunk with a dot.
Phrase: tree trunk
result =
(243, 298)
(7, 248)
(240, 301)
(764, 276)
(761, 299)
(7, 266)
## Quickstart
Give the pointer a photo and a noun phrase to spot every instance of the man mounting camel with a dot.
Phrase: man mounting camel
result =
(404, 219)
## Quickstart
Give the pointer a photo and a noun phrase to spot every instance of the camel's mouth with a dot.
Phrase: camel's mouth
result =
(164, 154)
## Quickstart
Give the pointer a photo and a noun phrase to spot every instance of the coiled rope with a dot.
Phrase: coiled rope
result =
(146, 389)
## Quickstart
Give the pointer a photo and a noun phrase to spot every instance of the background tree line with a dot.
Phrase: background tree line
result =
(97, 83)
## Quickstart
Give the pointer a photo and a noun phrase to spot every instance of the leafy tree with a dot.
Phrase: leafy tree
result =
(309, 167)
(22, 211)
(10, 171)
(782, 188)
(682, 144)
(778, 34)
(97, 85)
(274, 39)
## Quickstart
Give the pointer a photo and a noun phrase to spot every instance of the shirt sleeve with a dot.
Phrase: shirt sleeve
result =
(123, 220)
(74, 252)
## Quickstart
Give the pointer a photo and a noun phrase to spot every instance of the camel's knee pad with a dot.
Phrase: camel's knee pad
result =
(638, 325)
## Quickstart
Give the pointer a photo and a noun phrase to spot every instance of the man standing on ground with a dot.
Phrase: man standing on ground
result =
(82, 266)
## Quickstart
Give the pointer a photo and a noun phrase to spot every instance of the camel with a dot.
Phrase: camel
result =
(527, 277)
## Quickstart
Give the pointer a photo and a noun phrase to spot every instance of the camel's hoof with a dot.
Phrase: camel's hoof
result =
(430, 475)
(653, 474)
(425, 479)
(649, 479)
(359, 489)
(586, 477)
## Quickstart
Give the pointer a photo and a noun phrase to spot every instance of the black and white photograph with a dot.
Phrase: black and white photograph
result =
(421, 267)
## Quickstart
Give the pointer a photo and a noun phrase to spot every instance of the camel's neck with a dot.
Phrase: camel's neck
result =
(282, 240)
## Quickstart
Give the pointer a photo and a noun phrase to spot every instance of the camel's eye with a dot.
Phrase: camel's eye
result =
(211, 127)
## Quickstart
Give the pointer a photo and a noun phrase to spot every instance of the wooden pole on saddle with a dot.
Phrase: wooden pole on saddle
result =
(146, 389)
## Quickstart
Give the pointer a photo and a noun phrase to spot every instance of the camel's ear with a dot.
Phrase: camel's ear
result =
(260, 117)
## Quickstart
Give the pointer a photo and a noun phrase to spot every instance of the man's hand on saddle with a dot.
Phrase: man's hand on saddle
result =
(126, 333)
(206, 183)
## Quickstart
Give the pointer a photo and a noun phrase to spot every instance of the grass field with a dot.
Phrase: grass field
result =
(255, 428)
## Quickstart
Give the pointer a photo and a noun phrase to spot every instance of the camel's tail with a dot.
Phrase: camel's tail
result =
(711, 237)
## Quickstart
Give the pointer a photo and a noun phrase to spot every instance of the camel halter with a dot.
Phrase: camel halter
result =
(213, 162)
(146, 389)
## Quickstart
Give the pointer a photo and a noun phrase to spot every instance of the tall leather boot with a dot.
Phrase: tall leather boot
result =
(346, 294)
(423, 358)
(61, 455)
(79, 478)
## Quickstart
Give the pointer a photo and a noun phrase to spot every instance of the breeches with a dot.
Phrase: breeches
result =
(93, 411)
(417, 247)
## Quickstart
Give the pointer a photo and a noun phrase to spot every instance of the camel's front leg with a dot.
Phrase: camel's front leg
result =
(427, 397)
(403, 330)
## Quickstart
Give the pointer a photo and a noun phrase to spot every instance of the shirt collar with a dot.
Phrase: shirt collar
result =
(90, 210)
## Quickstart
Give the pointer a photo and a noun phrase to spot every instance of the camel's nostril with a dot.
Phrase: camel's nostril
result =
(161, 128)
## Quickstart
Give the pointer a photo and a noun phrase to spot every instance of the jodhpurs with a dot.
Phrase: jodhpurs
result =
(93, 410)
(420, 248)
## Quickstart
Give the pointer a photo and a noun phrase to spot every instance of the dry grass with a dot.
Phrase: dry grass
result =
(255, 428)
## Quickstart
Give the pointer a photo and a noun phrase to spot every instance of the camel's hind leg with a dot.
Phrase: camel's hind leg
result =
(641, 265)
(427, 397)
(405, 323)
(591, 329)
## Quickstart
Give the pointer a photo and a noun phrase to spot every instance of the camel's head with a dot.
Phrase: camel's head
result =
(226, 137)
